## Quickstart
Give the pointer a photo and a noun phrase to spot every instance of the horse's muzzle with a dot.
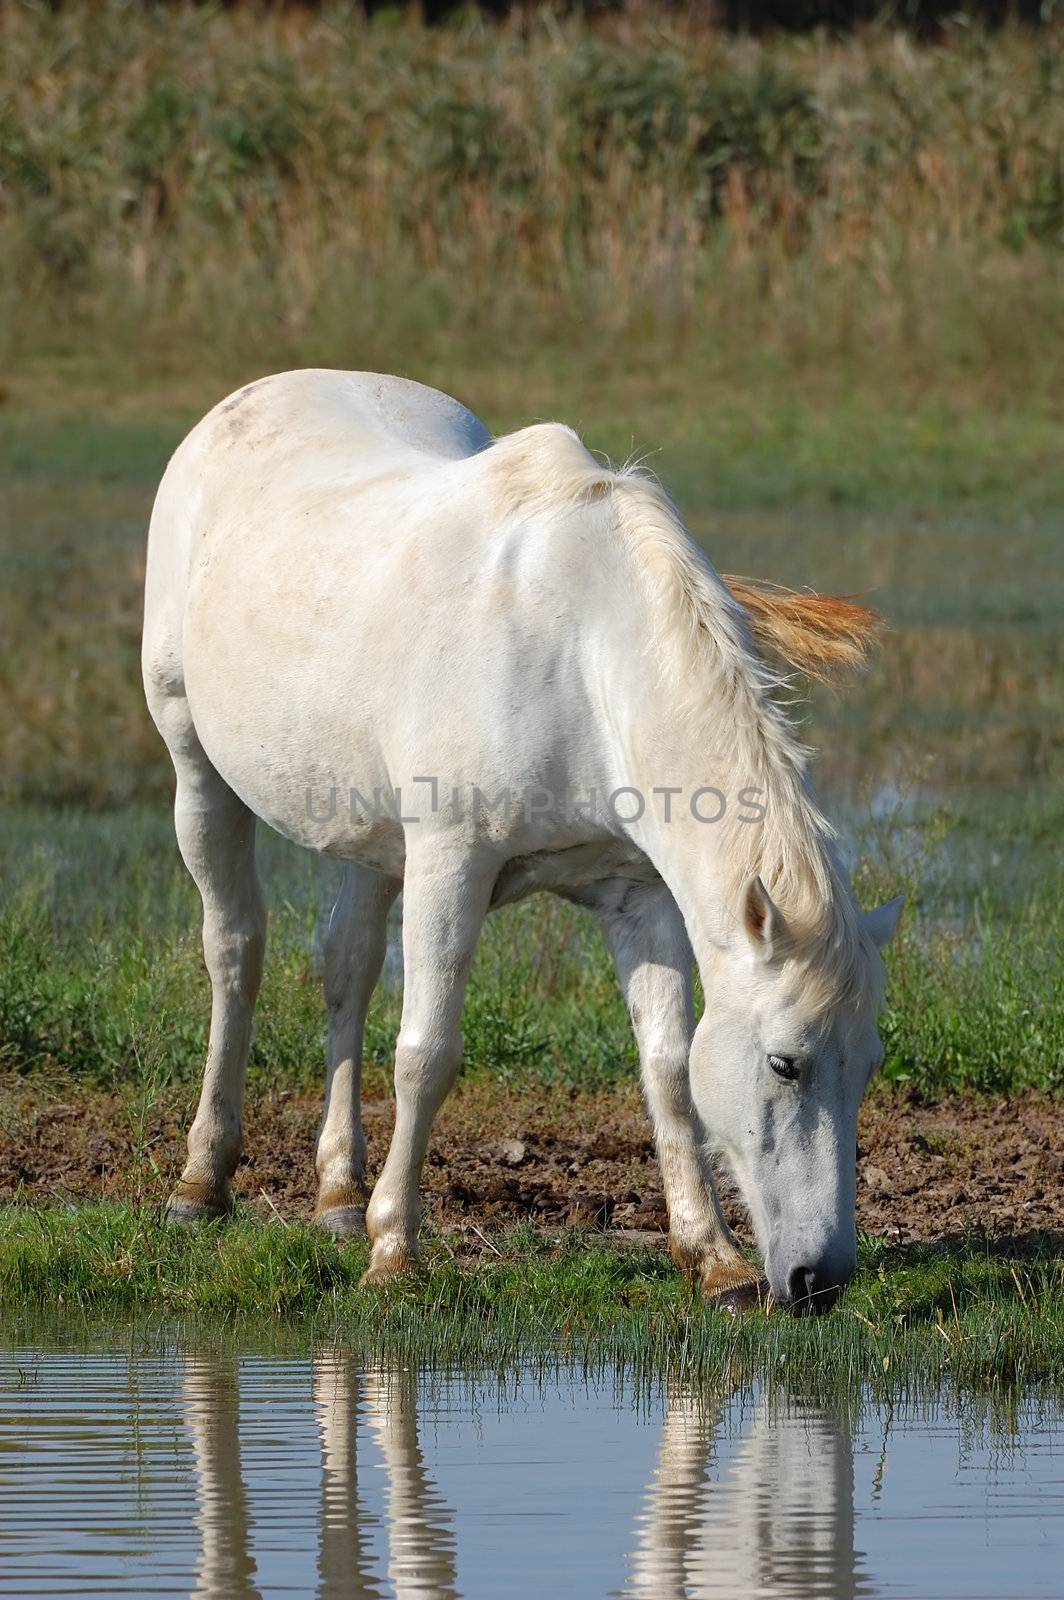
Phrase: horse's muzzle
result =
(811, 1290)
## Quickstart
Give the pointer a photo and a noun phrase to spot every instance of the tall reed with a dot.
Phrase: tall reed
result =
(235, 170)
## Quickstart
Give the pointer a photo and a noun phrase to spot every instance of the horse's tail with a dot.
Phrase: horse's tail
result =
(822, 635)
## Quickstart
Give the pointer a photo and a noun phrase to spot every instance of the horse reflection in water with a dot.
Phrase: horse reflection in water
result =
(212, 1410)
(772, 1515)
(776, 1519)
(421, 1549)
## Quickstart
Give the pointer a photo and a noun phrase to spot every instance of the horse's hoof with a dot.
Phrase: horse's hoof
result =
(342, 1222)
(184, 1213)
(740, 1297)
(192, 1203)
(387, 1263)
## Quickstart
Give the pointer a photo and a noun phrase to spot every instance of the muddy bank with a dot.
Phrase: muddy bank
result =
(924, 1171)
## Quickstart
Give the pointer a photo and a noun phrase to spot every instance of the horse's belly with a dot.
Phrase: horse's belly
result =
(360, 764)
(314, 778)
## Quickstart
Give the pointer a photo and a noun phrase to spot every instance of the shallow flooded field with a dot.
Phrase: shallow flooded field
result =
(152, 1466)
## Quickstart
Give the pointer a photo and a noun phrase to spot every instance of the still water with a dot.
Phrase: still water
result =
(162, 1468)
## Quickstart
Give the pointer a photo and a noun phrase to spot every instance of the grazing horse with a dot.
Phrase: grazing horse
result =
(474, 668)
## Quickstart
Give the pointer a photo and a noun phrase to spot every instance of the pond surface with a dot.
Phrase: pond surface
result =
(160, 1468)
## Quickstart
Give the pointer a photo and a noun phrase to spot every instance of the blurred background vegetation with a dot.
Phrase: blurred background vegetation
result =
(195, 174)
(813, 276)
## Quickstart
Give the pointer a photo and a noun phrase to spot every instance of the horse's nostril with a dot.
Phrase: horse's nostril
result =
(810, 1291)
(801, 1286)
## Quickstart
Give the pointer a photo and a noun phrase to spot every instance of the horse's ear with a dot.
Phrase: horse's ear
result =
(882, 923)
(761, 919)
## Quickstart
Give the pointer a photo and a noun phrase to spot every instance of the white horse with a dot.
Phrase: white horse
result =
(475, 669)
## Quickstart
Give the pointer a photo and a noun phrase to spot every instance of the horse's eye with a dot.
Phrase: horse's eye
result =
(784, 1066)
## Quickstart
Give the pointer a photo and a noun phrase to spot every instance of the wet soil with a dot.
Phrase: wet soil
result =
(925, 1171)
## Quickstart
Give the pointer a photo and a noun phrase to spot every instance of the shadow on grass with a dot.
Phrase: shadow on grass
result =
(1035, 1244)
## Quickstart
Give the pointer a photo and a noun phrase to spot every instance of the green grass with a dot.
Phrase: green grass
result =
(101, 974)
(972, 1316)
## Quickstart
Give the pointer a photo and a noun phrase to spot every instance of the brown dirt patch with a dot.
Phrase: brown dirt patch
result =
(925, 1171)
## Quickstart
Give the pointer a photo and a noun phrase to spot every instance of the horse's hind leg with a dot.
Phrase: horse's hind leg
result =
(216, 836)
(354, 954)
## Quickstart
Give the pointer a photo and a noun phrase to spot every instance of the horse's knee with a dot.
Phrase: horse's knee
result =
(426, 1065)
(667, 1078)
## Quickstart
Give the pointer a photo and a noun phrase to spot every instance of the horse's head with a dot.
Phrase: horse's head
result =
(779, 1064)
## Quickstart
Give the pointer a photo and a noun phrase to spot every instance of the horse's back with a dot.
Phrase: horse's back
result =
(300, 430)
(352, 413)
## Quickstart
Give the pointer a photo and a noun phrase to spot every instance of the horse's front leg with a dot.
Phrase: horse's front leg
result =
(445, 898)
(646, 933)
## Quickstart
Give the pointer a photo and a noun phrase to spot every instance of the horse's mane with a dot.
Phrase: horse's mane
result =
(716, 636)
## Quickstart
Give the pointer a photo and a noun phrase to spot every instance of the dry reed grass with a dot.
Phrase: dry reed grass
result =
(246, 175)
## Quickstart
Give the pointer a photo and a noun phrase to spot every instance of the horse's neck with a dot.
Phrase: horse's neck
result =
(688, 854)
(691, 713)
(657, 757)
(737, 813)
